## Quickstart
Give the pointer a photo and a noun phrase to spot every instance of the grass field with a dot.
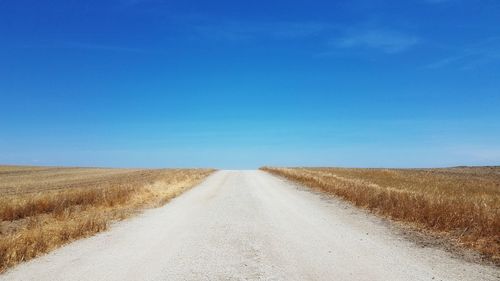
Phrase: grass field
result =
(42, 208)
(462, 204)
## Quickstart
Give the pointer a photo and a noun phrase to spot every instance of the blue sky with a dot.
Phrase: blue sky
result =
(240, 84)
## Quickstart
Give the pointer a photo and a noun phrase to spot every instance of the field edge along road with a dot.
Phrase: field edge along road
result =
(461, 204)
(43, 208)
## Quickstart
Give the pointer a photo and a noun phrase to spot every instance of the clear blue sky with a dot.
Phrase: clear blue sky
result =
(240, 84)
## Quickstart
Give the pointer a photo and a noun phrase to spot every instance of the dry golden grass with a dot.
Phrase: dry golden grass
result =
(462, 204)
(42, 208)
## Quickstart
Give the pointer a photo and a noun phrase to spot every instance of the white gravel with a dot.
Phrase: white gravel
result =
(249, 225)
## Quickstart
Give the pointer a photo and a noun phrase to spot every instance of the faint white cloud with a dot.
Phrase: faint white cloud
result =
(444, 62)
(387, 41)
(85, 46)
(130, 3)
(99, 47)
(471, 57)
(251, 30)
(383, 40)
(437, 1)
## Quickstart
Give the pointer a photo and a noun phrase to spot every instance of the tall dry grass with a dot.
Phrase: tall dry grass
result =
(39, 214)
(462, 204)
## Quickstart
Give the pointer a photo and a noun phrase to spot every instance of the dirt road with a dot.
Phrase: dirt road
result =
(248, 225)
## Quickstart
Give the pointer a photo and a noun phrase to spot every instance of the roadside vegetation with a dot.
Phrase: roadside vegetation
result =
(42, 208)
(462, 204)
